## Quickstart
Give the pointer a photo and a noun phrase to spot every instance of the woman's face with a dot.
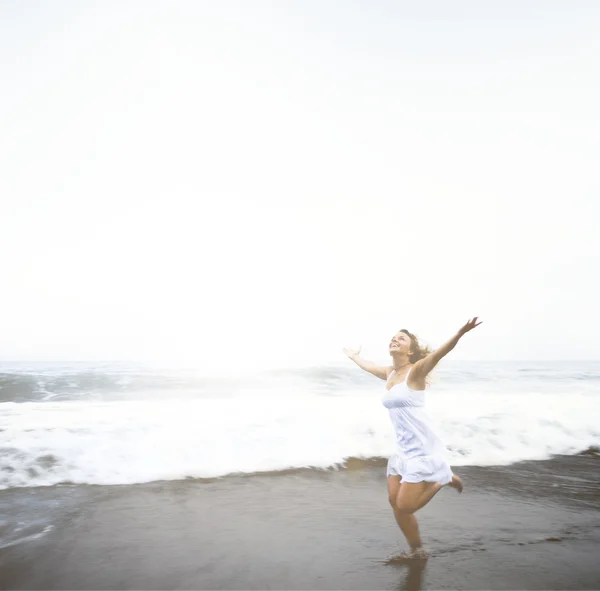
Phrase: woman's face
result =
(400, 344)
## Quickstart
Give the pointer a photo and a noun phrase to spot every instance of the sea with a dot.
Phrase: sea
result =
(122, 423)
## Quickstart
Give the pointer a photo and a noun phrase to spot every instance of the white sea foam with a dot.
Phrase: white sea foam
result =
(134, 441)
(23, 535)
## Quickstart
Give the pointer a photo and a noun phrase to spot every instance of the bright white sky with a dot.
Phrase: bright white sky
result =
(219, 181)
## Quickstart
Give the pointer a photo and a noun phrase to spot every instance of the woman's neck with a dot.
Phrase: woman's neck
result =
(399, 364)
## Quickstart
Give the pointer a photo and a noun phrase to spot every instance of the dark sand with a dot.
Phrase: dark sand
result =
(534, 525)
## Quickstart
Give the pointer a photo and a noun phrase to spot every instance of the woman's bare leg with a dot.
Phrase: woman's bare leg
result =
(406, 521)
(427, 495)
(410, 528)
(406, 498)
(456, 483)
(413, 496)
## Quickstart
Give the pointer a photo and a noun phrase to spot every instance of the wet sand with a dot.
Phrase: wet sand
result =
(533, 525)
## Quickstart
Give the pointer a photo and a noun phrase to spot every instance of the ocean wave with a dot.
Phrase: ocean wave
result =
(124, 442)
(103, 385)
(111, 382)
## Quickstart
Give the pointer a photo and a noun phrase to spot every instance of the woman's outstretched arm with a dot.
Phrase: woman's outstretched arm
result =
(424, 366)
(377, 370)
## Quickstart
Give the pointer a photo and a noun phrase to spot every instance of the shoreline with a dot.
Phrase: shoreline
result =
(532, 525)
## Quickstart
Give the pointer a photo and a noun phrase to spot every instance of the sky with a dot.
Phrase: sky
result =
(263, 183)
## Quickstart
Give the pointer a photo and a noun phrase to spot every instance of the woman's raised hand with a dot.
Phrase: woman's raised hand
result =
(469, 326)
(351, 352)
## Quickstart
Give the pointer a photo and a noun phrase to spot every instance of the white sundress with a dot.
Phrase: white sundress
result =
(420, 454)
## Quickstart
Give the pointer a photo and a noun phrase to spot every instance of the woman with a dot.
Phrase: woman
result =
(419, 468)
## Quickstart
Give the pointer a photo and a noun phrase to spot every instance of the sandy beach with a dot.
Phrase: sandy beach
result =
(532, 525)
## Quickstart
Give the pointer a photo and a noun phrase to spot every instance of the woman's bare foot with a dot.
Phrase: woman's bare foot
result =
(413, 554)
(456, 483)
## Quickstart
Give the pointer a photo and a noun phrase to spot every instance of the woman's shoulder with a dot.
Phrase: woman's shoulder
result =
(415, 380)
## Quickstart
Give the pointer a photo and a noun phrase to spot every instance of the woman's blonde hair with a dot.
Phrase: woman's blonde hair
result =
(419, 351)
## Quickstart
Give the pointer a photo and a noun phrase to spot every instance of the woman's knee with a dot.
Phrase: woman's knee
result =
(394, 484)
(404, 509)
